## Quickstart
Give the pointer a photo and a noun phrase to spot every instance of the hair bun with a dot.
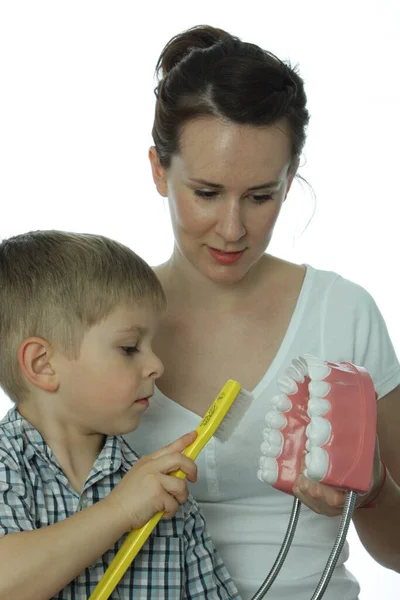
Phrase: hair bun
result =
(199, 37)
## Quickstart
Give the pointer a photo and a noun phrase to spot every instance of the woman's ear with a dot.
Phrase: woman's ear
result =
(291, 175)
(159, 172)
(34, 357)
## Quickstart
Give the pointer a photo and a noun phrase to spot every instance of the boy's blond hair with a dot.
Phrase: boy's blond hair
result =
(56, 285)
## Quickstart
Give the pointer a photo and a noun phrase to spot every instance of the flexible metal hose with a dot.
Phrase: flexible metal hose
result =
(345, 521)
(280, 559)
(348, 509)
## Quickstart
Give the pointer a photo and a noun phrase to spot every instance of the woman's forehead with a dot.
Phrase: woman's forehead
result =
(215, 150)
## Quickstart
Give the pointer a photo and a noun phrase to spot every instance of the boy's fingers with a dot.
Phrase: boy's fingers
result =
(171, 505)
(175, 487)
(177, 446)
(175, 462)
(186, 465)
(183, 442)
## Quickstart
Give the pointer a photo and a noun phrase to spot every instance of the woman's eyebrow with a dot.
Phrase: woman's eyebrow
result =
(263, 186)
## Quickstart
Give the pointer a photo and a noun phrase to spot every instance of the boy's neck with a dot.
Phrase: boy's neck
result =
(76, 451)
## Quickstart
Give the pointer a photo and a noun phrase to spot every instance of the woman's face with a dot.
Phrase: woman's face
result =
(225, 190)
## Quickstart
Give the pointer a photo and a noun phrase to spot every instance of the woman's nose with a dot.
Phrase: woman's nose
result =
(230, 224)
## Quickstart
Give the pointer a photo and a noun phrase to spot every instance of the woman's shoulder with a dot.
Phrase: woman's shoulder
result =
(314, 282)
(345, 310)
(337, 288)
(281, 275)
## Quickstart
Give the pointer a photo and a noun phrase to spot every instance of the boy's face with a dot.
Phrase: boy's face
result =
(107, 388)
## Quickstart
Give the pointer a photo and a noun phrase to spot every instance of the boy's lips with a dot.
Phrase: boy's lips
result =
(143, 401)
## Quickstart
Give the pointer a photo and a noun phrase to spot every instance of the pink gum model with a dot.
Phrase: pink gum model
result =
(327, 411)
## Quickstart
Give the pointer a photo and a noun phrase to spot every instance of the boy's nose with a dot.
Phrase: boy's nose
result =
(156, 368)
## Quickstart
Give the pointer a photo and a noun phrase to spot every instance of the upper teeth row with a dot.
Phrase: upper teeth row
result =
(318, 431)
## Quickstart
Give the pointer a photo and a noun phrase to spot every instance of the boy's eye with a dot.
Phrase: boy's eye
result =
(129, 350)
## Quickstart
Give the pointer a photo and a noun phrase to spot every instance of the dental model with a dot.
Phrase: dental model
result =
(326, 411)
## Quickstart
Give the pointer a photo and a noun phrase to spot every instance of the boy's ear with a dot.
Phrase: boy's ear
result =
(159, 172)
(34, 357)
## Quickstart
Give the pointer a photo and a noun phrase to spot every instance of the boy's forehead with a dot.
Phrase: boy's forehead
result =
(133, 318)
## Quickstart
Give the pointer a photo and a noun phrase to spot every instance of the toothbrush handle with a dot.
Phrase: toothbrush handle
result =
(136, 538)
(125, 555)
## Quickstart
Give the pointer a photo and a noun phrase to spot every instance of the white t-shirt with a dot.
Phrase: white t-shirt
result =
(334, 319)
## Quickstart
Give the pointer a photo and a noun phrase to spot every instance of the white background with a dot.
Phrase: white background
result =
(76, 108)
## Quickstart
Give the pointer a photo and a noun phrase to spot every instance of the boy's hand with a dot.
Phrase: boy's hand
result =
(148, 488)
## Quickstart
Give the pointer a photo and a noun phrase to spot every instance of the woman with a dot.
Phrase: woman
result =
(229, 129)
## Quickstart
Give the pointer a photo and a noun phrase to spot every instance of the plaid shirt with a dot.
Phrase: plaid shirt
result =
(178, 561)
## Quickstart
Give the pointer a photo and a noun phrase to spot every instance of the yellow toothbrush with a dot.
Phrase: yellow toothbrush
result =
(220, 420)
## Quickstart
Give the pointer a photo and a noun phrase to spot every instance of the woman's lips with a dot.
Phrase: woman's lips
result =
(225, 258)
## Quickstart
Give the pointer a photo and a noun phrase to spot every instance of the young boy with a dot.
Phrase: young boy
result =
(77, 317)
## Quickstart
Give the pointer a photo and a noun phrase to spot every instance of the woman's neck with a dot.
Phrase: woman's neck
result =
(187, 287)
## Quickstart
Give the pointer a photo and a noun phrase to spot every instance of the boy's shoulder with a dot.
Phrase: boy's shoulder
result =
(20, 443)
(13, 442)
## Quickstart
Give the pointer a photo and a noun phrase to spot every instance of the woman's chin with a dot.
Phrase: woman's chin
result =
(225, 274)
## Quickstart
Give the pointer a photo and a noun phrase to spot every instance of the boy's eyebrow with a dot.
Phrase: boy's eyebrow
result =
(263, 186)
(134, 329)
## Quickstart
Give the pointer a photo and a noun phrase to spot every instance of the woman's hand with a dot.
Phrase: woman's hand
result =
(329, 501)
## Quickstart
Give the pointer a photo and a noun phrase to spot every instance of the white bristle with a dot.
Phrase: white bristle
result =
(234, 415)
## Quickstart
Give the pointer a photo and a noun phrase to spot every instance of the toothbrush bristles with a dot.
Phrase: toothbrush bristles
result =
(234, 415)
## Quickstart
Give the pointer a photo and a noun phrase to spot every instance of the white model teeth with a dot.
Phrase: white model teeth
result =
(281, 402)
(268, 470)
(318, 372)
(294, 373)
(273, 443)
(268, 450)
(275, 419)
(286, 385)
(301, 364)
(273, 436)
(266, 432)
(319, 388)
(311, 359)
(317, 407)
(318, 431)
(317, 462)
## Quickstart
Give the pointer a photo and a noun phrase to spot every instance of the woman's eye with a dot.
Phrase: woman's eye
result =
(257, 199)
(261, 198)
(129, 350)
(205, 194)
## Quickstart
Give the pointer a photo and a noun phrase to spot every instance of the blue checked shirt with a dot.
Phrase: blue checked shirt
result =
(178, 562)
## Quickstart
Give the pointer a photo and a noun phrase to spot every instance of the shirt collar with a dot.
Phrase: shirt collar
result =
(115, 454)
